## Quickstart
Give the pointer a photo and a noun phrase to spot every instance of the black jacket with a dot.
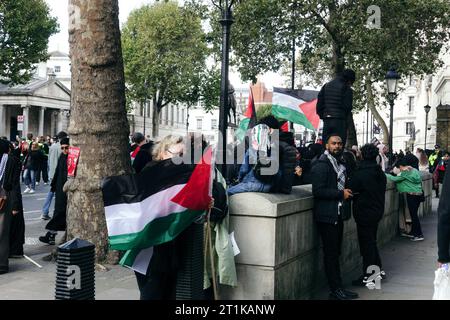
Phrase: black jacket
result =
(326, 194)
(33, 160)
(368, 184)
(143, 157)
(58, 221)
(444, 221)
(11, 184)
(335, 99)
(287, 156)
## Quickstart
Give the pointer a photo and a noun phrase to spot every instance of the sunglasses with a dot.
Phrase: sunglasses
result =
(64, 148)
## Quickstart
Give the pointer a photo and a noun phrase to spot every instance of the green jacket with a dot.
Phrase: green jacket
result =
(408, 181)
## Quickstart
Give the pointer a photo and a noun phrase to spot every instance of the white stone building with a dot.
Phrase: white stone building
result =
(409, 112)
(58, 64)
(172, 120)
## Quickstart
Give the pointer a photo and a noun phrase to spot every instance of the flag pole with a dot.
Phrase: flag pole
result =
(211, 256)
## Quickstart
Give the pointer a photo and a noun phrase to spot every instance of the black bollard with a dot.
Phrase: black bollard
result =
(190, 276)
(75, 277)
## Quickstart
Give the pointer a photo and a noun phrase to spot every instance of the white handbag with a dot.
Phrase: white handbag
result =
(442, 284)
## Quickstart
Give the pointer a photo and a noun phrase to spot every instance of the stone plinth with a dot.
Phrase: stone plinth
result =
(281, 256)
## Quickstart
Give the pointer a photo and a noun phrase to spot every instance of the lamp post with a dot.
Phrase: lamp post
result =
(427, 109)
(145, 102)
(227, 20)
(391, 84)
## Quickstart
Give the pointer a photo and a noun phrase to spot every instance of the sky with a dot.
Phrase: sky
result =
(60, 41)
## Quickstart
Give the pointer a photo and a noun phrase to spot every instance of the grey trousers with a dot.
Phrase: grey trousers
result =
(5, 226)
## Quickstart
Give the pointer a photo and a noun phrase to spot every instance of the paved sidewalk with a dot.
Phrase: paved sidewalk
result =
(409, 267)
(25, 281)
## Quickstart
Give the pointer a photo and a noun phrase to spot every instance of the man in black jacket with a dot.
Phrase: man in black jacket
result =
(444, 222)
(334, 105)
(368, 184)
(287, 160)
(330, 210)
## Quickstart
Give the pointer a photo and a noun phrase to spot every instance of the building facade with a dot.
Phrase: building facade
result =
(41, 107)
(410, 119)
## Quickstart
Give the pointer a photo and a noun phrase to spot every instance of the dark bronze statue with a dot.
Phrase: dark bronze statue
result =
(231, 104)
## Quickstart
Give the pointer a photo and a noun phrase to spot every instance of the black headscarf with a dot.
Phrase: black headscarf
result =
(4, 146)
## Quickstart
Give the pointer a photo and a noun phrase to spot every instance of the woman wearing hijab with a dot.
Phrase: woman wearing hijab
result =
(58, 221)
(10, 168)
(382, 160)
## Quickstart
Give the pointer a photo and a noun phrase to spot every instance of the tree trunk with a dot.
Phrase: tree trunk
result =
(98, 122)
(372, 107)
(338, 61)
(155, 119)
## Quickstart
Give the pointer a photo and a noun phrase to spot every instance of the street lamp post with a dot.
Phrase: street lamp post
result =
(391, 84)
(427, 109)
(367, 126)
(145, 102)
(227, 20)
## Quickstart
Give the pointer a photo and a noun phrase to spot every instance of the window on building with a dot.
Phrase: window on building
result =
(57, 69)
(160, 117)
(213, 124)
(166, 114)
(409, 128)
(199, 123)
(182, 115)
(178, 114)
(411, 104)
(171, 115)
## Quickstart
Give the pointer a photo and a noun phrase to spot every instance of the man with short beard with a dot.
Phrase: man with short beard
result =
(329, 177)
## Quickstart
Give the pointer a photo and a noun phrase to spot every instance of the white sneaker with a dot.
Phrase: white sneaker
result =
(37, 183)
(32, 191)
(26, 190)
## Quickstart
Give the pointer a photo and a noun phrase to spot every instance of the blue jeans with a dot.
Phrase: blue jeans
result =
(29, 177)
(249, 184)
(48, 203)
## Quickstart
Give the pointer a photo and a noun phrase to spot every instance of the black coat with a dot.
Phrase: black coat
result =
(33, 160)
(58, 221)
(368, 183)
(14, 203)
(444, 221)
(335, 99)
(287, 156)
(11, 184)
(326, 194)
(143, 157)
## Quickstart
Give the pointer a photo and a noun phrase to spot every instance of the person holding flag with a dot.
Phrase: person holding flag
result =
(147, 213)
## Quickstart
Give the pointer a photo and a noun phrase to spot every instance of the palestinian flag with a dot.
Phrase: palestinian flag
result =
(250, 118)
(298, 106)
(156, 205)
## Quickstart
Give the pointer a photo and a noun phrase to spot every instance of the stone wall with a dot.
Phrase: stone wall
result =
(281, 256)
